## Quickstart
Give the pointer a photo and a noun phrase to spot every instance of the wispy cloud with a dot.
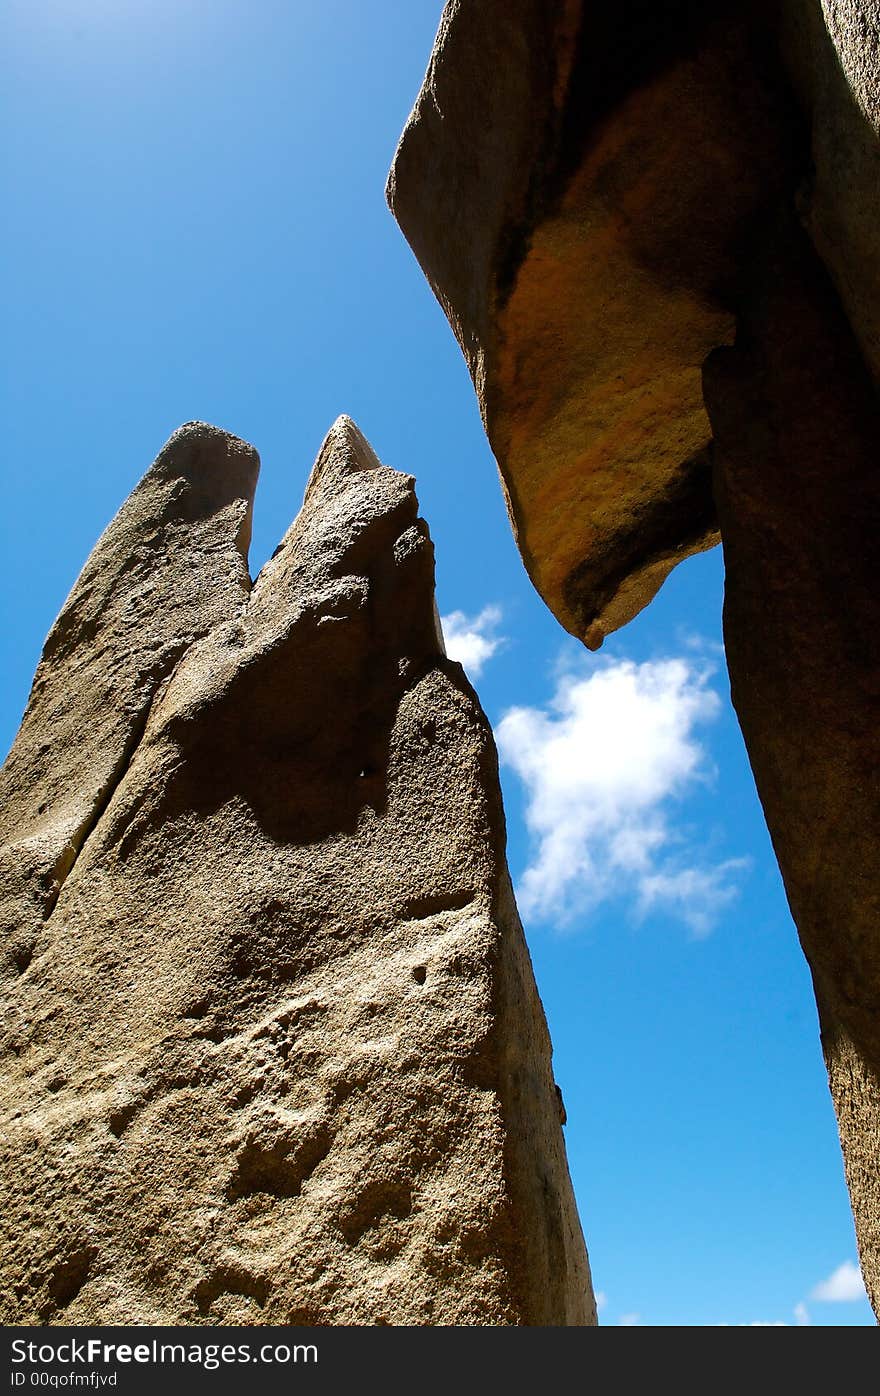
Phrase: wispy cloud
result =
(472, 640)
(843, 1286)
(629, 1320)
(601, 1300)
(602, 765)
(697, 895)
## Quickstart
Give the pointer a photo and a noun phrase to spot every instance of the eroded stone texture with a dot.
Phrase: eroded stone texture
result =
(582, 185)
(796, 424)
(170, 565)
(603, 198)
(579, 183)
(277, 1055)
(833, 55)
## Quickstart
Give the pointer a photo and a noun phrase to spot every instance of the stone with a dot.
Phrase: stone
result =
(796, 422)
(832, 52)
(579, 183)
(654, 231)
(273, 1051)
(170, 566)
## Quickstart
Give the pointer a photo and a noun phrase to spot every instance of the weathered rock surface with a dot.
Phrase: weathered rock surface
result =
(172, 564)
(603, 197)
(579, 183)
(796, 423)
(832, 52)
(582, 185)
(273, 1052)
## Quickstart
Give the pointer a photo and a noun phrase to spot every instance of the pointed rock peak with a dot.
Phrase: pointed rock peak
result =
(218, 470)
(212, 460)
(345, 452)
(205, 431)
(303, 834)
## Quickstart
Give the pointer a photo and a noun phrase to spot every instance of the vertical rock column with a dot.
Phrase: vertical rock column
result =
(796, 425)
(272, 1047)
(585, 187)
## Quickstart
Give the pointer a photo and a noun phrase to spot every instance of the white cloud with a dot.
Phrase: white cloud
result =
(601, 766)
(698, 895)
(629, 1320)
(843, 1286)
(801, 1320)
(472, 639)
(601, 1300)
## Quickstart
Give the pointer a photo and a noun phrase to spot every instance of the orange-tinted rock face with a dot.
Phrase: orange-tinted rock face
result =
(610, 280)
(596, 412)
(832, 51)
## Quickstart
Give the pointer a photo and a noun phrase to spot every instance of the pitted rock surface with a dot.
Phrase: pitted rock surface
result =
(273, 1052)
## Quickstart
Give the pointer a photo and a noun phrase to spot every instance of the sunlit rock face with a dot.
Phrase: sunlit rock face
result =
(654, 232)
(272, 1048)
(580, 184)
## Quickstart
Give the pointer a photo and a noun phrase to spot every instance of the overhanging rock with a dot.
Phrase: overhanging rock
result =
(654, 230)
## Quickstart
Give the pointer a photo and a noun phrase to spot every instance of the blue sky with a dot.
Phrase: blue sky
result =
(196, 229)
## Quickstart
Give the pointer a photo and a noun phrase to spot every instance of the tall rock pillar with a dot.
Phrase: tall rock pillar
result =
(602, 197)
(272, 1047)
(796, 423)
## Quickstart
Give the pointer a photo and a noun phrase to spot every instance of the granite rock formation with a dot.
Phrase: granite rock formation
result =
(796, 422)
(654, 230)
(272, 1048)
(582, 186)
